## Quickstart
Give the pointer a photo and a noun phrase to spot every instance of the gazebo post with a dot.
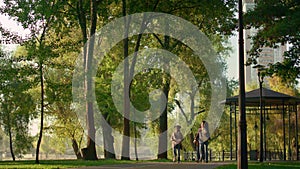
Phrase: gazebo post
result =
(296, 134)
(235, 132)
(265, 136)
(283, 128)
(230, 121)
(289, 133)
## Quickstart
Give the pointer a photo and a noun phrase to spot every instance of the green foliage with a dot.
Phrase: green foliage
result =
(57, 35)
(232, 87)
(277, 23)
(17, 106)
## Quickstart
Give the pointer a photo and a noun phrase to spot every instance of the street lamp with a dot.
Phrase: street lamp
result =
(255, 129)
(260, 76)
(242, 161)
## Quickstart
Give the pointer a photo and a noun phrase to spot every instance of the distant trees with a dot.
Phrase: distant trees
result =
(277, 22)
(17, 106)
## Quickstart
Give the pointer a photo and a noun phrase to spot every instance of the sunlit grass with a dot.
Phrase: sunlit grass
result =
(267, 165)
(81, 163)
(59, 163)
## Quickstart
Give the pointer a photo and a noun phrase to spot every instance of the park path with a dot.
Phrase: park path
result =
(153, 165)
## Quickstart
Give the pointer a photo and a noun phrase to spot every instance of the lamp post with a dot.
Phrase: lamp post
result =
(242, 160)
(255, 129)
(260, 76)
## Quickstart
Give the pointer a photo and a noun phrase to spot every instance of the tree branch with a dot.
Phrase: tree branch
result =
(155, 5)
(185, 116)
(159, 40)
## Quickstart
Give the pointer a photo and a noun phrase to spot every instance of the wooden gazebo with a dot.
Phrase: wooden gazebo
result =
(271, 100)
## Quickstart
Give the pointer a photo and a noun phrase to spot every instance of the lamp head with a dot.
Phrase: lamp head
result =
(260, 72)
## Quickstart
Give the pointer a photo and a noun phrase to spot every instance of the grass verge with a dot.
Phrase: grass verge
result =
(266, 165)
(46, 164)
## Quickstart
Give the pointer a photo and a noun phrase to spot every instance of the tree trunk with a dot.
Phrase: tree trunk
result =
(108, 139)
(135, 142)
(41, 63)
(76, 149)
(163, 124)
(192, 107)
(81, 16)
(42, 114)
(89, 153)
(126, 128)
(163, 119)
(10, 142)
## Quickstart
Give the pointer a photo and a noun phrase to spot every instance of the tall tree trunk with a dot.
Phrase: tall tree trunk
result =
(126, 128)
(41, 63)
(81, 16)
(109, 150)
(163, 124)
(42, 113)
(76, 148)
(90, 151)
(135, 142)
(108, 139)
(10, 139)
(192, 109)
(163, 119)
(131, 73)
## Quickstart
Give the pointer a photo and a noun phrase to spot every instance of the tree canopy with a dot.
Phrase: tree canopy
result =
(59, 32)
(277, 22)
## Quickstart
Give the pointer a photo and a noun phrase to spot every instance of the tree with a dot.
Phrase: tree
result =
(81, 11)
(37, 16)
(17, 106)
(276, 22)
(65, 43)
(277, 84)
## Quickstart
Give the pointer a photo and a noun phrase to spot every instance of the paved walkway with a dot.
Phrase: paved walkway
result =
(154, 165)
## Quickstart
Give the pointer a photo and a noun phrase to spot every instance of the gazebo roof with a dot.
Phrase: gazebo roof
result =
(269, 97)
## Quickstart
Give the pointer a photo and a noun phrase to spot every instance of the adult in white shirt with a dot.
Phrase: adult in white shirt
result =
(176, 139)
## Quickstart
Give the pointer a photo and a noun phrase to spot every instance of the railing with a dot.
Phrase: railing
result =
(253, 155)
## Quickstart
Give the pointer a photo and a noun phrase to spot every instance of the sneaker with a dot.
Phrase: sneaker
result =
(174, 159)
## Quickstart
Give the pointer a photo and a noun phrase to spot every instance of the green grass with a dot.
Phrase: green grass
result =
(59, 163)
(267, 165)
(46, 164)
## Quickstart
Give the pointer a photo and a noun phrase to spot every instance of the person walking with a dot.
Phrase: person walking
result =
(197, 143)
(204, 136)
(176, 139)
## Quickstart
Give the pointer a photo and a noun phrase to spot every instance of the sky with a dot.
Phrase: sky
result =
(232, 61)
(11, 25)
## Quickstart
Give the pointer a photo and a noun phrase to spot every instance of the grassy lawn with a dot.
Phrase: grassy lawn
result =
(46, 164)
(267, 165)
(59, 163)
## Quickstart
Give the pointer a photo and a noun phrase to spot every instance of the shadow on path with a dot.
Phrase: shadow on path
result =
(165, 165)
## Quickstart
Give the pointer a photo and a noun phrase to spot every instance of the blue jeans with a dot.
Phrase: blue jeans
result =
(175, 150)
(198, 152)
(204, 151)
